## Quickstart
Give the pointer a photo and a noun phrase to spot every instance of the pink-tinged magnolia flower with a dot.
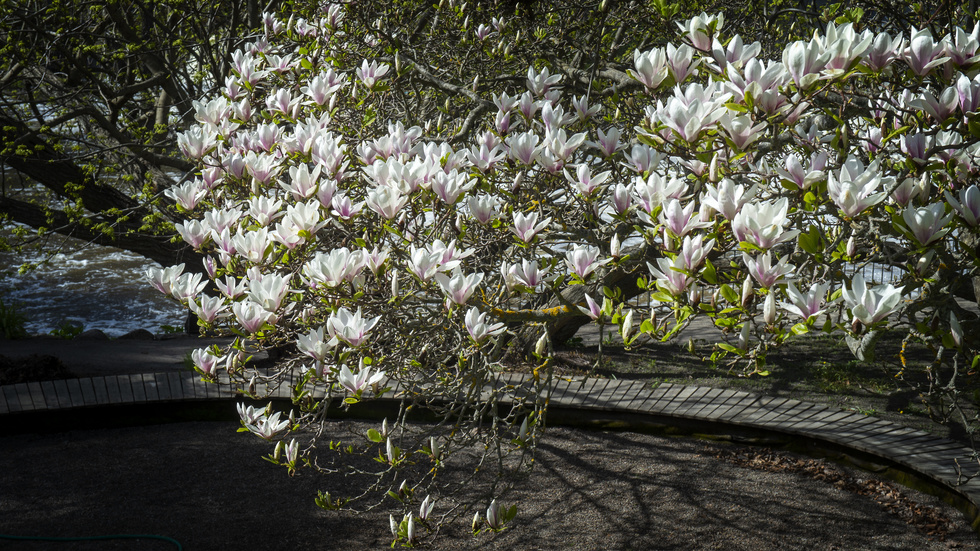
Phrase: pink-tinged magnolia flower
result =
(688, 120)
(608, 143)
(741, 131)
(701, 29)
(883, 51)
(798, 175)
(268, 427)
(484, 157)
(694, 251)
(364, 379)
(870, 306)
(187, 194)
(927, 224)
(621, 197)
(962, 47)
(371, 74)
(448, 187)
(323, 86)
(681, 62)
(680, 220)
(343, 208)
(728, 197)
(671, 276)
(163, 279)
(193, 232)
(282, 101)
(968, 206)
(208, 309)
(288, 233)
(314, 344)
(764, 272)
(262, 166)
(735, 53)
(968, 94)
(762, 223)
(197, 141)
(483, 207)
(591, 308)
(582, 261)
(231, 287)
(205, 361)
(940, 108)
(924, 53)
(643, 158)
(459, 287)
(804, 61)
(526, 227)
(375, 258)
(540, 83)
(584, 182)
(528, 273)
(561, 146)
(845, 47)
(264, 209)
(852, 189)
(269, 291)
(905, 192)
(253, 245)
(651, 67)
(187, 286)
(348, 327)
(653, 191)
(584, 111)
(524, 147)
(333, 268)
(303, 182)
(251, 316)
(423, 263)
(808, 305)
(386, 201)
(306, 216)
(478, 328)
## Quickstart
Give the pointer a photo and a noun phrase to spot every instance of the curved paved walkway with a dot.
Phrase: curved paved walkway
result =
(933, 458)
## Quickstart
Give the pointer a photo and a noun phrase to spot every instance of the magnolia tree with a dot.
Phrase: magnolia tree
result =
(754, 192)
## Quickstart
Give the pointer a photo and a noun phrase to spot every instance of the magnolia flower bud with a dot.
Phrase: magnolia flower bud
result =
(922, 265)
(410, 529)
(384, 427)
(614, 246)
(769, 308)
(542, 345)
(713, 170)
(627, 326)
(393, 524)
(398, 63)
(522, 435)
(694, 295)
(394, 283)
(743, 336)
(277, 454)
(955, 329)
(747, 292)
(518, 180)
(476, 522)
(851, 247)
(435, 447)
(923, 187)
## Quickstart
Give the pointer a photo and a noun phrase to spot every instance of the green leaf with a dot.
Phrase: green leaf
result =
(710, 274)
(729, 294)
(375, 436)
(800, 329)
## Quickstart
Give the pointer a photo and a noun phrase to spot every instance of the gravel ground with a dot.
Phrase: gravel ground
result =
(207, 487)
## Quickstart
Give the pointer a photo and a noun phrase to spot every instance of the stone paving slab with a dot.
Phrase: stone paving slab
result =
(932, 457)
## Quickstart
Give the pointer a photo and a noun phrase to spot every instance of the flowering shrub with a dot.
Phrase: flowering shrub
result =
(750, 191)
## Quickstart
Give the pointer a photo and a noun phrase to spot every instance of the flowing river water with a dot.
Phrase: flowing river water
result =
(87, 285)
